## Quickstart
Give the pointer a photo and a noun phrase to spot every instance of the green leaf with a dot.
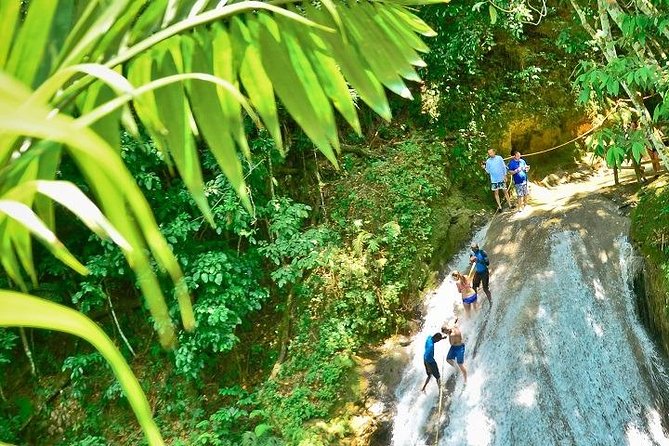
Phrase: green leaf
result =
(412, 20)
(584, 96)
(353, 66)
(29, 45)
(27, 218)
(222, 53)
(172, 111)
(139, 73)
(9, 20)
(613, 87)
(384, 65)
(90, 29)
(72, 198)
(21, 310)
(262, 429)
(212, 121)
(297, 86)
(638, 150)
(256, 82)
(395, 41)
(95, 158)
(401, 30)
(493, 14)
(8, 256)
(331, 79)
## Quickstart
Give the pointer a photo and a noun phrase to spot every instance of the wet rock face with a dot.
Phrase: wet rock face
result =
(534, 134)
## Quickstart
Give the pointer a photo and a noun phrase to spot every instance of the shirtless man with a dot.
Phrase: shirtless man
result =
(457, 350)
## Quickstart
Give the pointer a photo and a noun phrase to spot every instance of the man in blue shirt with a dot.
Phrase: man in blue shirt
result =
(428, 359)
(496, 168)
(481, 273)
(518, 167)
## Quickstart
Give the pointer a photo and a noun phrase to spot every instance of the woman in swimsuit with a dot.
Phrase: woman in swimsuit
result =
(466, 291)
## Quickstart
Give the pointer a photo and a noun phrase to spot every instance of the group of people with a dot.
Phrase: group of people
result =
(498, 170)
(468, 292)
(479, 274)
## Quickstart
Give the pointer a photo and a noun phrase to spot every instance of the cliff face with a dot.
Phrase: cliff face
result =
(650, 231)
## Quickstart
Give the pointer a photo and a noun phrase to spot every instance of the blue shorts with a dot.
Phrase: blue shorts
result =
(470, 299)
(522, 190)
(456, 352)
(431, 368)
(498, 186)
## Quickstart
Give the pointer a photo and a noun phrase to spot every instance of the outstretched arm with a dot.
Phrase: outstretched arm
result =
(471, 272)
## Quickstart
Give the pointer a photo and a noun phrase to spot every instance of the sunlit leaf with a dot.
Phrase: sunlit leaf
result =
(21, 310)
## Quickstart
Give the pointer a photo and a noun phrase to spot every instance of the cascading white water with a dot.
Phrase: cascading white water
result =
(559, 359)
(414, 407)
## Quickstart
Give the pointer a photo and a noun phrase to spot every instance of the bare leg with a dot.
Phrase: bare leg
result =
(496, 193)
(506, 194)
(468, 308)
(464, 371)
(451, 363)
(427, 380)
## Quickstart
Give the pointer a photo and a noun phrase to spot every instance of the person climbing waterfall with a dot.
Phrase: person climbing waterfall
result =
(481, 273)
(468, 294)
(518, 168)
(456, 353)
(496, 168)
(431, 367)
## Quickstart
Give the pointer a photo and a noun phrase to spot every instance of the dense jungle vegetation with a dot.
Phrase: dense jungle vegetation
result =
(304, 241)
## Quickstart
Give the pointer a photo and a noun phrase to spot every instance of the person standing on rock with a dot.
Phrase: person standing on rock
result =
(431, 367)
(481, 273)
(468, 294)
(496, 168)
(457, 351)
(518, 168)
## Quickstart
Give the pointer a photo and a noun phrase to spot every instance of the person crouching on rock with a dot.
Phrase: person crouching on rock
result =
(466, 291)
(428, 359)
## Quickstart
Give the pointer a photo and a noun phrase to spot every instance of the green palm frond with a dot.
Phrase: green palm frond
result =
(253, 58)
(74, 72)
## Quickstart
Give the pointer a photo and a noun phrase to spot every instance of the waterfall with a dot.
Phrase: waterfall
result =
(561, 357)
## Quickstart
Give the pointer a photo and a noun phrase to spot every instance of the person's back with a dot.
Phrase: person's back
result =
(429, 349)
(431, 368)
(481, 273)
(481, 260)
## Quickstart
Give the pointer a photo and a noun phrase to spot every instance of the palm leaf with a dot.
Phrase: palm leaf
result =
(22, 310)
(307, 57)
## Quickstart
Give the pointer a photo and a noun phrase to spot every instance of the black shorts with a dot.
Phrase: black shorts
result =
(479, 278)
(431, 368)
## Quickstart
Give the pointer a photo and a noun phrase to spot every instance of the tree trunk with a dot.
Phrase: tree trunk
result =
(284, 336)
(606, 44)
(615, 175)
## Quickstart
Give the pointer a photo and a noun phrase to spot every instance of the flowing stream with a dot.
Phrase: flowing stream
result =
(561, 357)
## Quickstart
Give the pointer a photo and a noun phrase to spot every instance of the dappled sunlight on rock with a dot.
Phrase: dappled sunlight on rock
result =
(560, 358)
(599, 289)
(526, 396)
(603, 257)
(596, 327)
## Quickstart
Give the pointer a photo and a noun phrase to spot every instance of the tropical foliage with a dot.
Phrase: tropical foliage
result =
(625, 67)
(187, 73)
